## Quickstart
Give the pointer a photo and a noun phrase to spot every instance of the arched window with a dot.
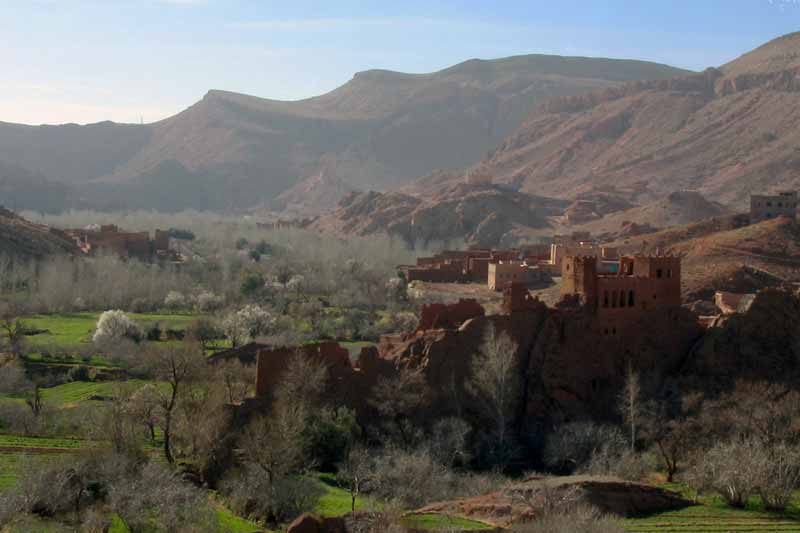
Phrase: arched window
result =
(605, 299)
(631, 301)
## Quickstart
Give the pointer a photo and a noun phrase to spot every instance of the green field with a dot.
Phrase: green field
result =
(75, 329)
(712, 514)
(441, 522)
(69, 394)
(17, 452)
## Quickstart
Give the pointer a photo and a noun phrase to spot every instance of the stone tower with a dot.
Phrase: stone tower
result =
(579, 276)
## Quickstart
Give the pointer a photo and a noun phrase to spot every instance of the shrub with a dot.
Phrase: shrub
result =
(207, 301)
(152, 331)
(175, 300)
(778, 475)
(328, 435)
(571, 446)
(115, 326)
(79, 373)
(730, 469)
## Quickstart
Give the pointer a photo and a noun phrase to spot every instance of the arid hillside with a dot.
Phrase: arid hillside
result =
(726, 133)
(379, 130)
(481, 215)
(23, 240)
(726, 253)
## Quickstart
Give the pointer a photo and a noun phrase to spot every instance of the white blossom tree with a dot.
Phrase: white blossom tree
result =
(115, 326)
(247, 324)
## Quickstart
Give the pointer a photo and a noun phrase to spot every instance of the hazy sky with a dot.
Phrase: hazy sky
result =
(131, 60)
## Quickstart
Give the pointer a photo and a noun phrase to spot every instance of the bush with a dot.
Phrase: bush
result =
(250, 495)
(79, 373)
(152, 332)
(208, 301)
(175, 301)
(115, 326)
(571, 446)
(328, 435)
(732, 470)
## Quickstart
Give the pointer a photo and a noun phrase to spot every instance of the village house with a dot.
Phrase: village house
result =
(138, 245)
(504, 273)
(765, 207)
(642, 283)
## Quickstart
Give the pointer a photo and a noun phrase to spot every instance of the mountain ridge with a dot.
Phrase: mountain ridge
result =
(379, 130)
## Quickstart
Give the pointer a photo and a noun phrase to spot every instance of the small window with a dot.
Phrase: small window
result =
(659, 273)
(622, 298)
(614, 299)
(605, 331)
(614, 331)
(669, 273)
(630, 299)
(567, 266)
(605, 299)
(780, 204)
(769, 204)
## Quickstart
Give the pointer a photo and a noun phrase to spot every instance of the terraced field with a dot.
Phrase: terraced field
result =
(17, 452)
(714, 516)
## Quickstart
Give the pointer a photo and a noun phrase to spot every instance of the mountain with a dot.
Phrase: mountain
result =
(379, 130)
(483, 215)
(677, 208)
(23, 189)
(725, 133)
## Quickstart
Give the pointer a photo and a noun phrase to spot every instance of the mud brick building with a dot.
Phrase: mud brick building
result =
(617, 300)
(763, 207)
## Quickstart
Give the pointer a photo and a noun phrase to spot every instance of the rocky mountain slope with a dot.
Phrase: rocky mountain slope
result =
(727, 253)
(481, 214)
(676, 209)
(726, 133)
(379, 130)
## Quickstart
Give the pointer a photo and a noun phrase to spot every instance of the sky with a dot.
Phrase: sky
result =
(137, 61)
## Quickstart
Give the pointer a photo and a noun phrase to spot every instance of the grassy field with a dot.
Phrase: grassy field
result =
(75, 329)
(69, 394)
(713, 515)
(440, 522)
(17, 452)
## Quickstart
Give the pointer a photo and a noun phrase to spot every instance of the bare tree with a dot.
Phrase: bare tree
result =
(144, 406)
(397, 399)
(675, 433)
(14, 381)
(273, 445)
(12, 328)
(177, 366)
(497, 382)
(356, 473)
(628, 402)
(238, 380)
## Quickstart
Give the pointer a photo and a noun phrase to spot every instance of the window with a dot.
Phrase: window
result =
(669, 272)
(780, 204)
(622, 298)
(614, 331)
(658, 273)
(605, 331)
(630, 299)
(605, 299)
(769, 204)
(613, 298)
